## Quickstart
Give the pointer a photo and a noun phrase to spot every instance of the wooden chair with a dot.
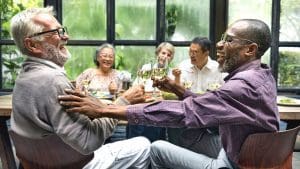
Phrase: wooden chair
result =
(268, 150)
(49, 152)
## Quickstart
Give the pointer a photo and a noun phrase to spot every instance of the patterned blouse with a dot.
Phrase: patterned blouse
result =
(92, 80)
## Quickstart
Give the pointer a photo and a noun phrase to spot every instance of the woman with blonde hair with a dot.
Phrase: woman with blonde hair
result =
(164, 55)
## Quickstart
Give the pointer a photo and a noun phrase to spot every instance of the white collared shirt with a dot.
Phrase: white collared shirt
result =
(208, 78)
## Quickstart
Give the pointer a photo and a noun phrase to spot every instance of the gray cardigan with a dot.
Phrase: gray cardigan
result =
(37, 112)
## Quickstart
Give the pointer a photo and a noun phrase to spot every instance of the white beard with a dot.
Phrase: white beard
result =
(54, 54)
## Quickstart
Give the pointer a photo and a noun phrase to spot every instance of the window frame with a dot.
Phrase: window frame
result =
(218, 16)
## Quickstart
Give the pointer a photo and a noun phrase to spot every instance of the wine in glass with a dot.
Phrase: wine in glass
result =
(160, 70)
(85, 86)
(159, 73)
(187, 84)
(145, 72)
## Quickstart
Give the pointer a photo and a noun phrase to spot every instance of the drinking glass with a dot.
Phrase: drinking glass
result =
(187, 84)
(213, 86)
(159, 73)
(145, 71)
(160, 70)
(85, 86)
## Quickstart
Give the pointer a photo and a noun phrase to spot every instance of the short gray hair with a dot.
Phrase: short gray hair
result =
(105, 45)
(167, 46)
(22, 26)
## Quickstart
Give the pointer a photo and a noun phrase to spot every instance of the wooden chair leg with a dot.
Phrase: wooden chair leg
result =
(21, 166)
(24, 165)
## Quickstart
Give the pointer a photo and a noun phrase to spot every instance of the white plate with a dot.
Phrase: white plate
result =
(287, 101)
(103, 95)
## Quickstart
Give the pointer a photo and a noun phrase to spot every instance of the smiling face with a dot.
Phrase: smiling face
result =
(52, 47)
(198, 56)
(163, 55)
(234, 51)
(106, 59)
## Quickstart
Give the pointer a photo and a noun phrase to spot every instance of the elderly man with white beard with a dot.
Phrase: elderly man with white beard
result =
(36, 110)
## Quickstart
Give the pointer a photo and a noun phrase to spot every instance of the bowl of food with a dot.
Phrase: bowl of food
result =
(169, 96)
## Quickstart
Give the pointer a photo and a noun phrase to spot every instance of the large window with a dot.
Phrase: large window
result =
(134, 27)
(135, 20)
(285, 49)
(289, 46)
(184, 21)
(10, 57)
(85, 21)
(137, 27)
(239, 9)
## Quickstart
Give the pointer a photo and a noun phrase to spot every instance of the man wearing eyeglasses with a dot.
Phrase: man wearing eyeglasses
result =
(36, 111)
(243, 105)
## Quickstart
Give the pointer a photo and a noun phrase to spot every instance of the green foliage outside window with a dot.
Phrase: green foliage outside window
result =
(289, 69)
(82, 58)
(289, 20)
(11, 60)
(135, 20)
(85, 20)
(171, 20)
(11, 57)
(184, 21)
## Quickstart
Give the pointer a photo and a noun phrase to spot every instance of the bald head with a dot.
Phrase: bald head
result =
(254, 30)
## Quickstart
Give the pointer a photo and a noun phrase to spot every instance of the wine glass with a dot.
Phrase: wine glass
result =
(213, 86)
(159, 71)
(85, 86)
(145, 72)
(188, 84)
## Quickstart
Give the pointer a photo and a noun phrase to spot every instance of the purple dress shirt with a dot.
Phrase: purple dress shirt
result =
(244, 105)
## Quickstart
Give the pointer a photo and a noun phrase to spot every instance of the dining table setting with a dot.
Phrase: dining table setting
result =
(289, 109)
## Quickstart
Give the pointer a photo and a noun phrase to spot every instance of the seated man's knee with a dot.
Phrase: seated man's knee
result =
(142, 143)
(158, 146)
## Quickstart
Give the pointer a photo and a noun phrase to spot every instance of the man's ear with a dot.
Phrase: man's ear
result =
(252, 50)
(207, 52)
(32, 46)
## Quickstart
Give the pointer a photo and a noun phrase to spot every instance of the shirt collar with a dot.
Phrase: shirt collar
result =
(47, 62)
(208, 65)
(253, 64)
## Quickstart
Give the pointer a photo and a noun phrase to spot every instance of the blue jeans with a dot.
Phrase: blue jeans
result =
(150, 132)
(165, 155)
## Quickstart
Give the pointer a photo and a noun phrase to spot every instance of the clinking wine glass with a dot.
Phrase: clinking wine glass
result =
(85, 86)
(145, 73)
(187, 84)
(160, 71)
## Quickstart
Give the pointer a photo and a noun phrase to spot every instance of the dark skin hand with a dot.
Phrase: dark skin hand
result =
(168, 85)
(76, 102)
(135, 94)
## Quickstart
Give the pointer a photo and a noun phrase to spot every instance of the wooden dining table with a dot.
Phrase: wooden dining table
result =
(291, 115)
(6, 152)
(287, 113)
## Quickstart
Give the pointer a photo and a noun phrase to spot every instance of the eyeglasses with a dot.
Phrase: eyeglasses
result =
(60, 31)
(229, 38)
(107, 55)
(194, 52)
